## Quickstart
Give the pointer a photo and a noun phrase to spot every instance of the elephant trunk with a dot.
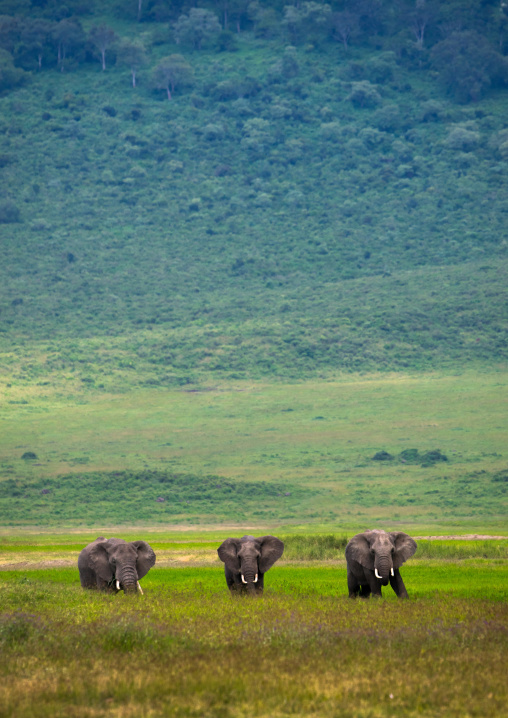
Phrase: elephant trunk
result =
(383, 568)
(127, 580)
(249, 575)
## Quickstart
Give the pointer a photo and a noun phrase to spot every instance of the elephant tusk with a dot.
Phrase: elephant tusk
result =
(243, 580)
(256, 579)
(393, 572)
(140, 589)
(377, 574)
(117, 585)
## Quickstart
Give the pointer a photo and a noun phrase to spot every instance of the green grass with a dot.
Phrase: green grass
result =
(187, 649)
(258, 454)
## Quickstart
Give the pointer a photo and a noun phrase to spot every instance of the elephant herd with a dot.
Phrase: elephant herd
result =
(373, 560)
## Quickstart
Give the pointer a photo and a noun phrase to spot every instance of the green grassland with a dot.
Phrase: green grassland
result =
(257, 454)
(186, 648)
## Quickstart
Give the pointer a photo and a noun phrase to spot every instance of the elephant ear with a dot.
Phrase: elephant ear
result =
(405, 547)
(145, 559)
(228, 552)
(99, 558)
(358, 549)
(271, 550)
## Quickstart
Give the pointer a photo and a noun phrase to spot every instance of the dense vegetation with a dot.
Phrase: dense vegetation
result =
(324, 190)
(143, 497)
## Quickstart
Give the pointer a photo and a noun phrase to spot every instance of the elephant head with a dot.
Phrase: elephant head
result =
(120, 563)
(247, 559)
(381, 552)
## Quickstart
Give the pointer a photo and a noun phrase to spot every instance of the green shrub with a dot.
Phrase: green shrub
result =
(9, 212)
(364, 94)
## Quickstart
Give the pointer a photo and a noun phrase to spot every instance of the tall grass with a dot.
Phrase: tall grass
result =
(308, 547)
(187, 648)
(453, 550)
(311, 547)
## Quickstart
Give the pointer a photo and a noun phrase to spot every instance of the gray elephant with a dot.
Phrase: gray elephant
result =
(373, 560)
(247, 559)
(114, 564)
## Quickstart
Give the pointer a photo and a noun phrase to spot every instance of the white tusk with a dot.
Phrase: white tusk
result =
(243, 580)
(376, 574)
(256, 579)
(140, 589)
(393, 572)
(117, 585)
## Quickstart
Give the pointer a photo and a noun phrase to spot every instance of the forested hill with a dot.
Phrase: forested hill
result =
(251, 188)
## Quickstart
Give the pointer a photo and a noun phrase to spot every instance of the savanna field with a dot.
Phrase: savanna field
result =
(253, 281)
(186, 647)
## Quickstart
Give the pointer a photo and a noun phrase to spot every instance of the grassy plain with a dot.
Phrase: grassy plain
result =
(256, 454)
(187, 649)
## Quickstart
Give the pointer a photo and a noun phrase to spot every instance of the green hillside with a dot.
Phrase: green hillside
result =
(237, 194)
(296, 207)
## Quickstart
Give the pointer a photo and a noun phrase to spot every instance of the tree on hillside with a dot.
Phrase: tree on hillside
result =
(35, 37)
(238, 12)
(102, 37)
(10, 76)
(197, 28)
(371, 16)
(345, 26)
(232, 11)
(132, 54)
(419, 20)
(468, 65)
(68, 36)
(500, 19)
(171, 72)
(10, 32)
(265, 20)
(308, 22)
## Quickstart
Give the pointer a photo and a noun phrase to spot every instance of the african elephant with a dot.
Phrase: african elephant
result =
(247, 560)
(373, 560)
(114, 564)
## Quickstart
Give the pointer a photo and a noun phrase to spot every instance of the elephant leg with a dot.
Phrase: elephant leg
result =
(103, 585)
(397, 584)
(260, 584)
(352, 584)
(374, 584)
(233, 582)
(87, 578)
(365, 591)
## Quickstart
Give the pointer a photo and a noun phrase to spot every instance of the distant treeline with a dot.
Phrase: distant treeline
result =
(463, 41)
